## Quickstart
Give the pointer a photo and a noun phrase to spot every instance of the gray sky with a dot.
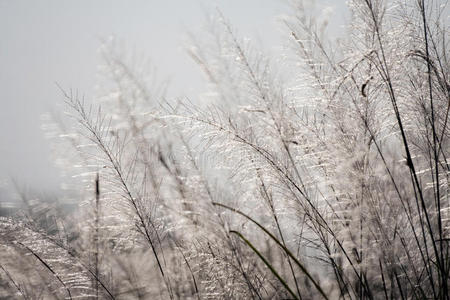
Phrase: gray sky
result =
(48, 41)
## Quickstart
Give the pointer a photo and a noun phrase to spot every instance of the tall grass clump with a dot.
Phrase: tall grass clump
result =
(321, 174)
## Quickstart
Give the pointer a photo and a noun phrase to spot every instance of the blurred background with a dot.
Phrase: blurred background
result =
(51, 41)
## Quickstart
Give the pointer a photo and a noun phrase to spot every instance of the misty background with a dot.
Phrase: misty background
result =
(50, 41)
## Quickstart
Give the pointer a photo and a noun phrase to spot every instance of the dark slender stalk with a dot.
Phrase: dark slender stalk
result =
(49, 268)
(190, 269)
(16, 285)
(288, 252)
(436, 157)
(97, 212)
(282, 281)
